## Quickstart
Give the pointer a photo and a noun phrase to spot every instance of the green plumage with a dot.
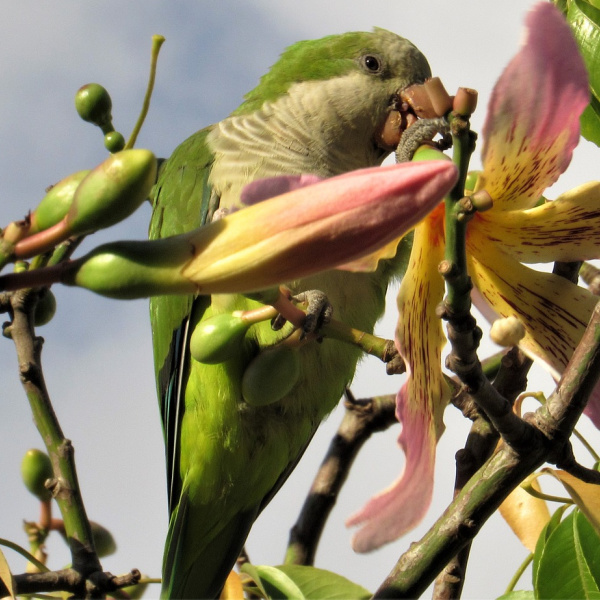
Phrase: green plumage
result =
(317, 111)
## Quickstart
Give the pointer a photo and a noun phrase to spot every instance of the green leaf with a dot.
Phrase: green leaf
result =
(569, 563)
(278, 584)
(590, 122)
(544, 536)
(299, 581)
(584, 19)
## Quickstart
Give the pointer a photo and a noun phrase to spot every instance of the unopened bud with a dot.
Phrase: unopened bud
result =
(271, 375)
(36, 468)
(507, 332)
(112, 191)
(94, 105)
(56, 203)
(217, 338)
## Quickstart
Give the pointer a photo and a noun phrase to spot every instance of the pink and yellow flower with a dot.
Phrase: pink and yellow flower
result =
(531, 129)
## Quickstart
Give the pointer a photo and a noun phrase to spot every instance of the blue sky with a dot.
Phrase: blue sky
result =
(97, 354)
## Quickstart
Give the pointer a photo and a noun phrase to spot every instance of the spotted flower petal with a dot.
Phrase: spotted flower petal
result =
(554, 311)
(565, 229)
(532, 123)
(422, 400)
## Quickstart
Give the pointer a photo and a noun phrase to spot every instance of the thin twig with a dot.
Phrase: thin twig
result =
(362, 418)
(87, 570)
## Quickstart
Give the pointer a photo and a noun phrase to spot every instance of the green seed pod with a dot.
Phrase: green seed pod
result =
(114, 142)
(36, 468)
(103, 540)
(112, 191)
(56, 203)
(271, 375)
(45, 308)
(217, 339)
(94, 105)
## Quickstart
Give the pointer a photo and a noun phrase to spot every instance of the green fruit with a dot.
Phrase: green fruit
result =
(56, 203)
(217, 339)
(36, 468)
(271, 375)
(45, 308)
(104, 541)
(114, 141)
(94, 105)
(112, 191)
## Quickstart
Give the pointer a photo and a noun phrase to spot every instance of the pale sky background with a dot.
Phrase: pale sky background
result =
(97, 355)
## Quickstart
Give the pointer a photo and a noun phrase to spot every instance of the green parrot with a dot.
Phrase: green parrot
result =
(324, 108)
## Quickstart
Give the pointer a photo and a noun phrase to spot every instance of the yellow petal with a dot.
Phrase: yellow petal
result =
(419, 333)
(232, 590)
(526, 515)
(585, 495)
(566, 229)
(554, 311)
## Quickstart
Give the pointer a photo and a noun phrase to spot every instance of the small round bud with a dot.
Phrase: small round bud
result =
(507, 332)
(114, 142)
(482, 200)
(271, 375)
(45, 308)
(94, 105)
(36, 468)
(217, 338)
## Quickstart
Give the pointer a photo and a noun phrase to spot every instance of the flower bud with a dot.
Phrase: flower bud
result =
(56, 203)
(94, 105)
(36, 468)
(104, 541)
(217, 338)
(271, 375)
(45, 308)
(507, 332)
(114, 141)
(112, 191)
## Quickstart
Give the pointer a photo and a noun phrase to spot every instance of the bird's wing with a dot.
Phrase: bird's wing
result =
(183, 200)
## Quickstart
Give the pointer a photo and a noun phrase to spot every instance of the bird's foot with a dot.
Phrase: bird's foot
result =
(423, 132)
(315, 308)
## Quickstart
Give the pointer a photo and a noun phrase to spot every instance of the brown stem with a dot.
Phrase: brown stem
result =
(362, 418)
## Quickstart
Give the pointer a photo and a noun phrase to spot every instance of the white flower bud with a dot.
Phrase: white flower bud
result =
(507, 332)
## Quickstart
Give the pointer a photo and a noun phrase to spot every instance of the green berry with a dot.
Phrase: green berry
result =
(218, 338)
(36, 468)
(114, 142)
(104, 541)
(271, 375)
(94, 105)
(45, 308)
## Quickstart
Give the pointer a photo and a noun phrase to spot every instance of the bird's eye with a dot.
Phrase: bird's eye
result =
(372, 63)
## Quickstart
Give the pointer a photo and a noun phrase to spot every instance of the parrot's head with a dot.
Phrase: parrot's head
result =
(344, 91)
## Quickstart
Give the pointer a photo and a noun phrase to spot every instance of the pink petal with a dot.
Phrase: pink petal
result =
(421, 402)
(532, 123)
(263, 189)
(400, 507)
(315, 228)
